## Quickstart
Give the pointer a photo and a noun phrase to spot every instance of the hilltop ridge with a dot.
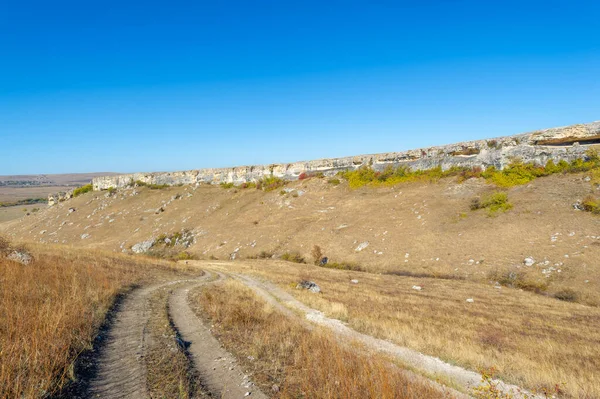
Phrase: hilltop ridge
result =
(561, 143)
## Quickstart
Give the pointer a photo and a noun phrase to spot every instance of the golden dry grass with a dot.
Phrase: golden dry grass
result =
(169, 370)
(534, 341)
(300, 363)
(51, 310)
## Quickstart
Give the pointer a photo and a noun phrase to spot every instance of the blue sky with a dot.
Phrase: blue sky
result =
(145, 86)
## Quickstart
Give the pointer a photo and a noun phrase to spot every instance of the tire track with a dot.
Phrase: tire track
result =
(219, 371)
(121, 369)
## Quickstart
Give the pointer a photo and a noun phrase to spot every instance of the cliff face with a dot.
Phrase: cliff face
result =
(564, 143)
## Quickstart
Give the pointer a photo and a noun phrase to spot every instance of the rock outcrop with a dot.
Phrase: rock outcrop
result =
(566, 143)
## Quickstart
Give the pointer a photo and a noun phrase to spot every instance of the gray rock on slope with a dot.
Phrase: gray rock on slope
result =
(143, 247)
(309, 285)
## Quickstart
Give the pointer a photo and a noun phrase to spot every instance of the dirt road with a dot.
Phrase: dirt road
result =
(121, 370)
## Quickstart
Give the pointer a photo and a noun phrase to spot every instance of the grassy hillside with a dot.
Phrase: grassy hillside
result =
(536, 240)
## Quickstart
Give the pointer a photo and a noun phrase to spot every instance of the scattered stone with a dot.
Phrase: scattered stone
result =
(142, 247)
(21, 257)
(354, 281)
(84, 236)
(470, 300)
(587, 179)
(309, 285)
(71, 210)
(529, 261)
(362, 246)
(159, 210)
(417, 287)
(578, 206)
(275, 388)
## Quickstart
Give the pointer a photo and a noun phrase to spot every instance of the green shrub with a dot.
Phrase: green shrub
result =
(157, 186)
(494, 202)
(184, 255)
(293, 257)
(270, 183)
(111, 190)
(591, 204)
(82, 190)
(390, 176)
(227, 185)
(567, 295)
(334, 181)
(262, 255)
(248, 185)
(519, 173)
(355, 267)
(518, 279)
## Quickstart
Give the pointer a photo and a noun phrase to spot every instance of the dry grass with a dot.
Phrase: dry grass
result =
(169, 370)
(51, 310)
(532, 340)
(282, 353)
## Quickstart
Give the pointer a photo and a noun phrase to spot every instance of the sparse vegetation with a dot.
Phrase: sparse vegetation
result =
(344, 266)
(262, 255)
(567, 294)
(111, 190)
(317, 254)
(516, 173)
(519, 173)
(293, 257)
(270, 183)
(591, 204)
(520, 280)
(334, 181)
(82, 190)
(227, 185)
(28, 201)
(494, 202)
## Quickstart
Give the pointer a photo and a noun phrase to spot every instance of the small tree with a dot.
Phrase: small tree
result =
(317, 254)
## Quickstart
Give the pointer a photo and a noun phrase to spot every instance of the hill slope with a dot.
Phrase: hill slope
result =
(406, 228)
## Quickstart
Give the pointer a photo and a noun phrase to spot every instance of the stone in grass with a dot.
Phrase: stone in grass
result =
(470, 300)
(309, 285)
(417, 287)
(21, 257)
(354, 281)
(529, 261)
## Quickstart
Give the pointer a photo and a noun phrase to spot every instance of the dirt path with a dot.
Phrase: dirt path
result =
(121, 369)
(433, 367)
(219, 370)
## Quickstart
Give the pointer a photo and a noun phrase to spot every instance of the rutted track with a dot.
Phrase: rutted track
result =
(121, 369)
(220, 373)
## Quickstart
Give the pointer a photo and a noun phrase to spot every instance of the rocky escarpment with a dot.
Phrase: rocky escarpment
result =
(564, 143)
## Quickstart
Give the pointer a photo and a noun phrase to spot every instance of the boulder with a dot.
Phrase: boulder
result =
(529, 261)
(309, 285)
(142, 247)
(362, 246)
(20, 256)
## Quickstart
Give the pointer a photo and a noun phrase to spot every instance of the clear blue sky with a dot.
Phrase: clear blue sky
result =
(145, 86)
